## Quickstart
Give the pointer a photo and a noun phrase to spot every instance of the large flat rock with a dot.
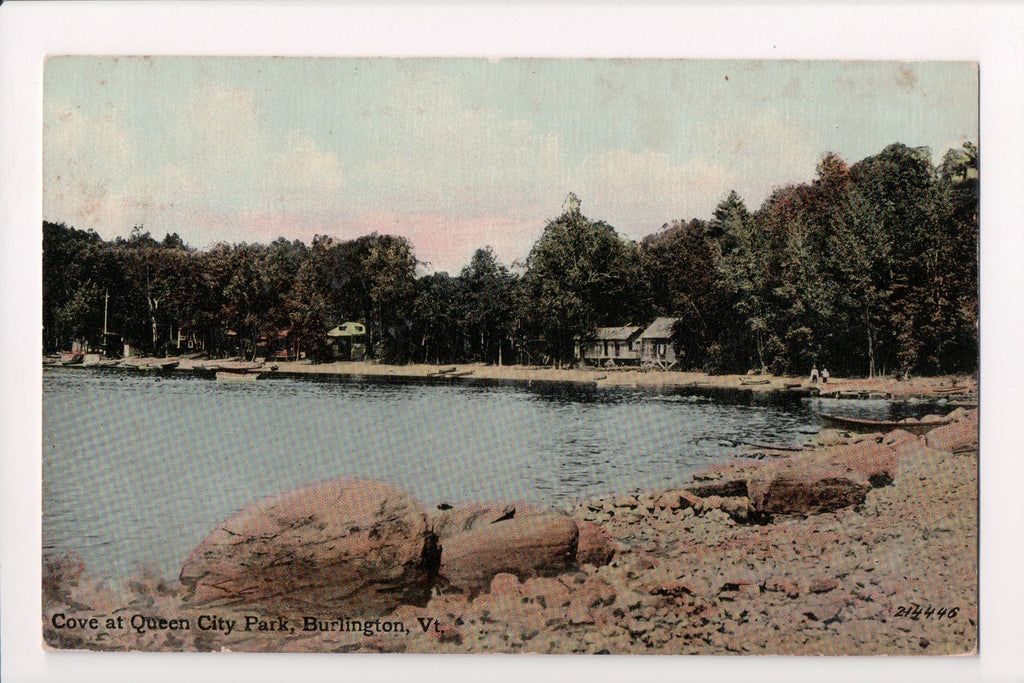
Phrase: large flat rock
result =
(481, 543)
(351, 545)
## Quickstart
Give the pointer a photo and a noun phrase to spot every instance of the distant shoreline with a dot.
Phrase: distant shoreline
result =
(958, 387)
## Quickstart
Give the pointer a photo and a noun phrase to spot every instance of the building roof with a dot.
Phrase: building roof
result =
(661, 328)
(349, 329)
(624, 333)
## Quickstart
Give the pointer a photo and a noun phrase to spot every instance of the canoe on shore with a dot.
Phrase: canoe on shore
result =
(225, 376)
(753, 382)
(854, 424)
(105, 363)
(160, 365)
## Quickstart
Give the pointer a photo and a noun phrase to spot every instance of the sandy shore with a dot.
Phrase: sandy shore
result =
(895, 575)
(958, 387)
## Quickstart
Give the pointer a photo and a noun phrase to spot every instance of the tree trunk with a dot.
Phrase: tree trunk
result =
(152, 319)
(871, 349)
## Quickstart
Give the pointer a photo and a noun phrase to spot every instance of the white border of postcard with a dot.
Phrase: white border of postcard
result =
(993, 36)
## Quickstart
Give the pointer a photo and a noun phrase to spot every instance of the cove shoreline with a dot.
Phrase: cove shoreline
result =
(742, 389)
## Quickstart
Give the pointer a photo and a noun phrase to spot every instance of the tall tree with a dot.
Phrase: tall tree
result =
(744, 271)
(488, 291)
(581, 275)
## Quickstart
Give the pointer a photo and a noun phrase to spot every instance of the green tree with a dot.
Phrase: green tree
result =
(487, 287)
(581, 275)
(744, 271)
(678, 266)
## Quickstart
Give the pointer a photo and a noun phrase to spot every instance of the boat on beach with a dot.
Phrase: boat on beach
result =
(855, 424)
(229, 376)
(103, 363)
(754, 382)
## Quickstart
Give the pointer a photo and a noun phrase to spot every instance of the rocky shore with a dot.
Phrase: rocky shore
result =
(863, 545)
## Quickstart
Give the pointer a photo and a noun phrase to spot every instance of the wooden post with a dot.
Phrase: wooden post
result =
(106, 298)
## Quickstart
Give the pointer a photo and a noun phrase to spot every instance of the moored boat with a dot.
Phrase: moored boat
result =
(855, 424)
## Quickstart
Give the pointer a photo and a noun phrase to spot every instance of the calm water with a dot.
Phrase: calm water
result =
(137, 469)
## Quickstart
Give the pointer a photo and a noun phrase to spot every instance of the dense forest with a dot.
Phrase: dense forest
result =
(871, 268)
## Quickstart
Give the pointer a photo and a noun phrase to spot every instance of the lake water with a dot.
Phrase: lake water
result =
(138, 469)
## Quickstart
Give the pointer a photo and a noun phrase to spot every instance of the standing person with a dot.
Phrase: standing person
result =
(814, 374)
(824, 375)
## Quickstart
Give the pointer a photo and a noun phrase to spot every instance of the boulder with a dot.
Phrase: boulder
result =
(898, 437)
(961, 433)
(342, 546)
(595, 546)
(539, 543)
(868, 459)
(805, 488)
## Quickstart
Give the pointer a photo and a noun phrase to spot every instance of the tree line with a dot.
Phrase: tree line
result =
(870, 268)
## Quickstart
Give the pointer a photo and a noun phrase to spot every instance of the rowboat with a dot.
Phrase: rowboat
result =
(226, 376)
(72, 359)
(753, 382)
(161, 365)
(854, 424)
(105, 363)
(236, 366)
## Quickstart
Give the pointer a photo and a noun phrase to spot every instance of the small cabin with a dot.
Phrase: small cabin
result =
(611, 346)
(348, 340)
(656, 344)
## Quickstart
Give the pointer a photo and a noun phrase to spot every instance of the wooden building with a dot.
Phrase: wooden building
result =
(656, 344)
(278, 345)
(348, 340)
(611, 346)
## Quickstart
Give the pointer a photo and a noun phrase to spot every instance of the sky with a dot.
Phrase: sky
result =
(457, 154)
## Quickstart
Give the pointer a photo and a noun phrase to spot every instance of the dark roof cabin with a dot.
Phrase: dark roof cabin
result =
(656, 346)
(611, 346)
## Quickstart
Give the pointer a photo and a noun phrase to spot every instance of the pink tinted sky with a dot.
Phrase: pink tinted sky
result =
(457, 154)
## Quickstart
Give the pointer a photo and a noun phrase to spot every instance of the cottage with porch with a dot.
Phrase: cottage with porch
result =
(611, 346)
(656, 344)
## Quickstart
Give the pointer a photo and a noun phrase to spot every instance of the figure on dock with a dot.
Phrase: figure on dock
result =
(824, 375)
(814, 374)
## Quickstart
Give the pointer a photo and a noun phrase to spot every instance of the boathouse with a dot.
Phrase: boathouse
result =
(611, 346)
(657, 346)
